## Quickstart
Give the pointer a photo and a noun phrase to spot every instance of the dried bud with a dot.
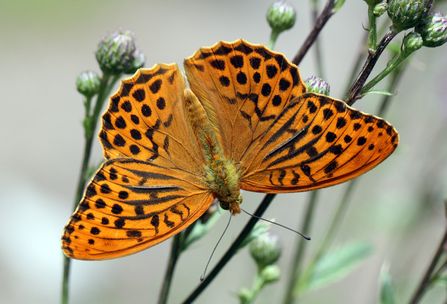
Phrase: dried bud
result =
(380, 9)
(317, 85)
(281, 16)
(88, 83)
(406, 14)
(116, 53)
(266, 249)
(433, 30)
(412, 42)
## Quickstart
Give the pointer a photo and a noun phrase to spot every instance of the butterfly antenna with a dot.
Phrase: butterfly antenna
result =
(303, 235)
(202, 277)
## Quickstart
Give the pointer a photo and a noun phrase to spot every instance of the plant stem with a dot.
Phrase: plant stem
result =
(318, 57)
(320, 22)
(372, 28)
(426, 280)
(300, 248)
(353, 93)
(268, 198)
(273, 36)
(104, 91)
(173, 258)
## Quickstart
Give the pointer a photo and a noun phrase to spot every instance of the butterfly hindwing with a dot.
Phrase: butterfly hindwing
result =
(316, 142)
(131, 205)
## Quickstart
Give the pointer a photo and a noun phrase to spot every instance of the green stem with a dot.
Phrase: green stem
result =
(372, 28)
(301, 245)
(273, 36)
(173, 258)
(426, 280)
(392, 64)
(233, 248)
(104, 91)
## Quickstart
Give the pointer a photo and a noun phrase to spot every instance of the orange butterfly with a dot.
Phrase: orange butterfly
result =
(245, 123)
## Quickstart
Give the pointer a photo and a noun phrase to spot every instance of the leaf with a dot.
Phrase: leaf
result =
(334, 265)
(386, 287)
(337, 5)
(379, 92)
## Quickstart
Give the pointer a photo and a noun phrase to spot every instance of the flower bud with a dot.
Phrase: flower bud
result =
(88, 83)
(137, 63)
(380, 9)
(270, 274)
(406, 14)
(116, 52)
(281, 16)
(266, 249)
(245, 295)
(412, 42)
(317, 85)
(372, 2)
(433, 30)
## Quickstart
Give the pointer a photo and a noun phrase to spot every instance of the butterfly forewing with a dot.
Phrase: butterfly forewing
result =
(146, 121)
(317, 141)
(243, 87)
(131, 205)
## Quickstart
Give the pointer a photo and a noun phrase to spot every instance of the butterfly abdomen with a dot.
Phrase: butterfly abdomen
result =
(221, 174)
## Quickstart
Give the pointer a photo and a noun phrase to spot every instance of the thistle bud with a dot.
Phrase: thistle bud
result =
(88, 83)
(270, 274)
(433, 30)
(412, 42)
(281, 16)
(116, 53)
(406, 14)
(137, 63)
(266, 249)
(380, 9)
(317, 85)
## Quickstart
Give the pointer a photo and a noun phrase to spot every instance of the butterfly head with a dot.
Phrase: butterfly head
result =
(231, 203)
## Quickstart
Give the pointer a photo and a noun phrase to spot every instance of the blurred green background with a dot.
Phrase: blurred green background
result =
(44, 45)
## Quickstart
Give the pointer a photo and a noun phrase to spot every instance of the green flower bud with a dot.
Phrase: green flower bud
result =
(270, 274)
(317, 85)
(380, 9)
(412, 42)
(116, 52)
(245, 295)
(406, 14)
(281, 16)
(137, 63)
(88, 83)
(266, 249)
(433, 30)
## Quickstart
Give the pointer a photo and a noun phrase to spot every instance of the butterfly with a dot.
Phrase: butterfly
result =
(245, 122)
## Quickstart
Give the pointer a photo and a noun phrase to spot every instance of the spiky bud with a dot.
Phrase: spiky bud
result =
(433, 30)
(412, 42)
(137, 63)
(380, 9)
(281, 16)
(266, 249)
(406, 14)
(116, 53)
(88, 83)
(317, 85)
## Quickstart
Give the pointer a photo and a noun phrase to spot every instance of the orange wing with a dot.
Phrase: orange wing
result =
(316, 142)
(151, 187)
(284, 139)
(243, 88)
(131, 205)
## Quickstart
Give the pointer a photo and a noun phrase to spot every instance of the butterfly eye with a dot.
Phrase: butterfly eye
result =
(224, 205)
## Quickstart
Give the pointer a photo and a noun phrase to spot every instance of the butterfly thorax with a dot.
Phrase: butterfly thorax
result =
(221, 174)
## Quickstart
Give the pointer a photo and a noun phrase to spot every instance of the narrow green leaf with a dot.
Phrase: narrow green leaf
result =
(386, 287)
(379, 92)
(337, 5)
(334, 265)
